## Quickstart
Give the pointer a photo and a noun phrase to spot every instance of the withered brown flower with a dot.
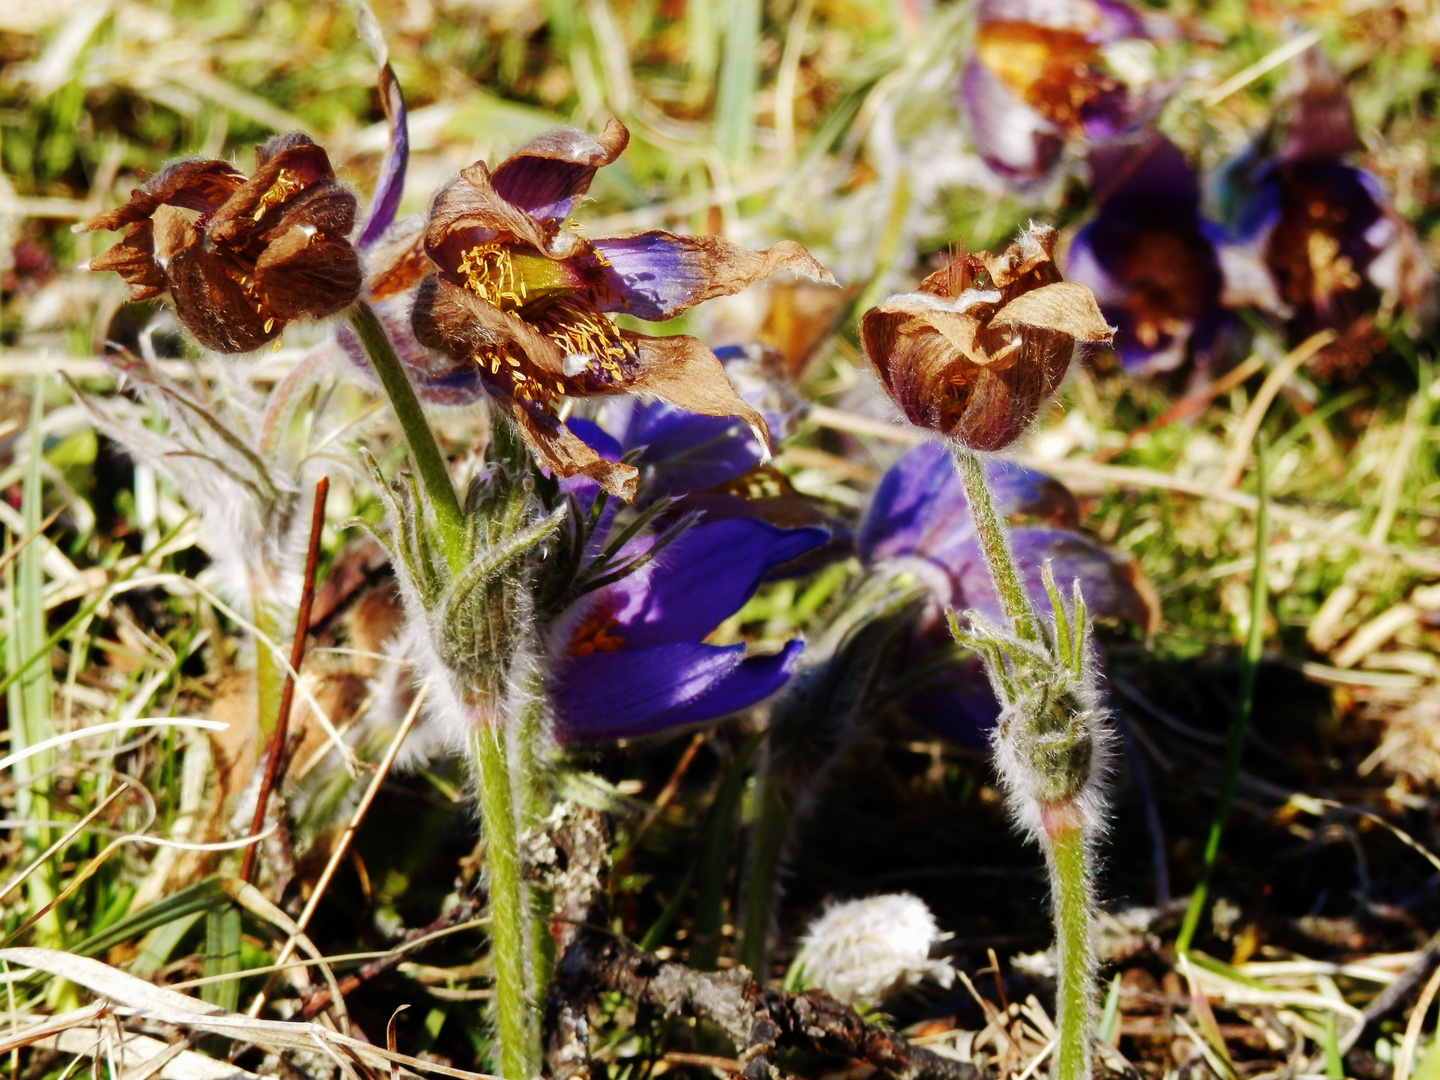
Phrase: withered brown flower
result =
(240, 257)
(984, 341)
(522, 301)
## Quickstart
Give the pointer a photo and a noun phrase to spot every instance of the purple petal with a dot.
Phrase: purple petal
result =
(919, 507)
(391, 183)
(1104, 582)
(596, 437)
(1012, 138)
(651, 276)
(638, 692)
(700, 579)
(546, 175)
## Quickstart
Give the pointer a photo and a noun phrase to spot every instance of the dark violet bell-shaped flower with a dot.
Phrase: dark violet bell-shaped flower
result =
(679, 452)
(262, 252)
(1035, 80)
(919, 521)
(1148, 255)
(630, 657)
(975, 351)
(525, 301)
(1315, 240)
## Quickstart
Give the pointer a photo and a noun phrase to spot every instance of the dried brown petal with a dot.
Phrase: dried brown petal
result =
(684, 372)
(193, 184)
(133, 258)
(307, 275)
(211, 299)
(560, 451)
(472, 203)
(986, 340)
(285, 167)
(454, 321)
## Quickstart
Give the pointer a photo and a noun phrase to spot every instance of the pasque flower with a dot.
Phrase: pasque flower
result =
(1148, 255)
(239, 256)
(630, 658)
(983, 342)
(1036, 79)
(525, 302)
(1317, 232)
(919, 521)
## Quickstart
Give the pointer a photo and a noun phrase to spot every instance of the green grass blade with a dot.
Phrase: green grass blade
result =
(739, 79)
(715, 861)
(1110, 1016)
(201, 897)
(30, 686)
(222, 956)
(1239, 729)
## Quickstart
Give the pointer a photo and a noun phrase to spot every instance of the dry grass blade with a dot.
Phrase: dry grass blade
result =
(128, 996)
(1250, 426)
(254, 901)
(343, 845)
(54, 1025)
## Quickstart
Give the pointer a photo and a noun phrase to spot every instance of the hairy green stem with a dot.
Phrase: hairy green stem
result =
(519, 1049)
(430, 466)
(534, 805)
(519, 1037)
(995, 545)
(1069, 882)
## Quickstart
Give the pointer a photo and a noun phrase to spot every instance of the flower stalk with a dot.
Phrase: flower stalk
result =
(430, 466)
(1050, 748)
(995, 545)
(449, 590)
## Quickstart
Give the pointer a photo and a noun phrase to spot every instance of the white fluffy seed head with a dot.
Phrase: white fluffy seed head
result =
(862, 951)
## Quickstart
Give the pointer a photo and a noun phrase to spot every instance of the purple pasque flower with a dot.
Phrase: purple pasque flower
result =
(1315, 241)
(630, 657)
(1148, 255)
(919, 521)
(1035, 79)
(522, 301)
(680, 452)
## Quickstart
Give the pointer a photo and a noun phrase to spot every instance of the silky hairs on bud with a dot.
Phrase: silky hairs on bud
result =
(862, 951)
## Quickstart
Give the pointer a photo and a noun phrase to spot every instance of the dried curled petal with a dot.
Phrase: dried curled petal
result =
(984, 342)
(263, 251)
(524, 301)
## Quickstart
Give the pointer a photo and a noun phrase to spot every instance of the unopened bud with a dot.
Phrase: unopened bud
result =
(862, 951)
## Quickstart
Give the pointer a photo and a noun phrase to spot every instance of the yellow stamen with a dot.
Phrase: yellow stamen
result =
(286, 184)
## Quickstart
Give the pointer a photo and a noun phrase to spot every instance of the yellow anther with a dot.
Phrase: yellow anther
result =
(286, 184)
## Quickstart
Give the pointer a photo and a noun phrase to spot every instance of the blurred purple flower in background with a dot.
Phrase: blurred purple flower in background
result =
(1036, 79)
(1148, 255)
(919, 520)
(630, 657)
(1315, 241)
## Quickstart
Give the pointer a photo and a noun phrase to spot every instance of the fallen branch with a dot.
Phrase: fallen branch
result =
(756, 1019)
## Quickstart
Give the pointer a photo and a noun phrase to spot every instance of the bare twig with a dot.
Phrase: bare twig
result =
(276, 750)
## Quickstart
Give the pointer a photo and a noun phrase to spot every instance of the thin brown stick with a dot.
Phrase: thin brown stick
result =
(15, 551)
(326, 875)
(275, 751)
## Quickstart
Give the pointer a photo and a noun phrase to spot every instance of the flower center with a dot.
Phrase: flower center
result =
(588, 338)
(1048, 68)
(593, 635)
(1330, 272)
(512, 277)
(285, 185)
